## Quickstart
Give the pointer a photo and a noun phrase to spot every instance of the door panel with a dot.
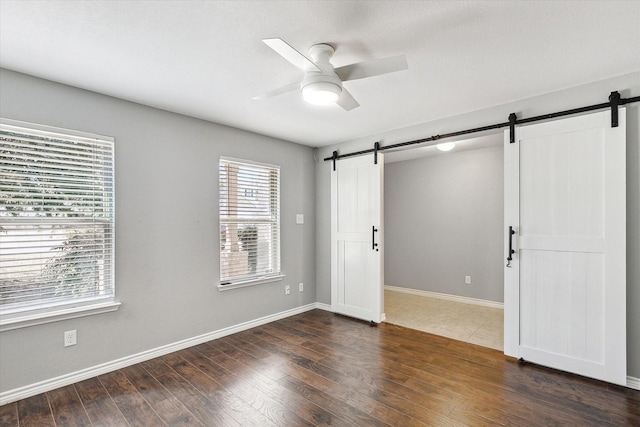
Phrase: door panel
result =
(353, 200)
(561, 180)
(561, 303)
(565, 292)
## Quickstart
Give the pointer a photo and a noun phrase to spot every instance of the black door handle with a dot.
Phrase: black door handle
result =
(374, 245)
(511, 251)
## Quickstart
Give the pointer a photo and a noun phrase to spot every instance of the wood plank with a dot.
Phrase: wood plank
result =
(35, 411)
(164, 404)
(427, 412)
(270, 367)
(91, 389)
(100, 407)
(207, 411)
(133, 406)
(240, 410)
(9, 415)
(352, 415)
(67, 408)
(381, 411)
(277, 345)
(243, 386)
(311, 412)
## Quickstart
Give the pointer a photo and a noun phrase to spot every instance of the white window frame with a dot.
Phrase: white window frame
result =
(255, 278)
(29, 314)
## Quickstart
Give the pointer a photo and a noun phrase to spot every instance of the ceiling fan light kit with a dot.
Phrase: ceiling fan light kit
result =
(321, 93)
(322, 83)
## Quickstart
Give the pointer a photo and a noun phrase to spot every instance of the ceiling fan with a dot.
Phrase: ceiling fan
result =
(322, 83)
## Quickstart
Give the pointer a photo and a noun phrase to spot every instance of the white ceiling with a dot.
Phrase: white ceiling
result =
(206, 59)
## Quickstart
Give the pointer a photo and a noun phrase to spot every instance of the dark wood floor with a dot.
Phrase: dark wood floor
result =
(318, 368)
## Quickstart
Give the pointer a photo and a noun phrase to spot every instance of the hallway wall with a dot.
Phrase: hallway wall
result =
(443, 221)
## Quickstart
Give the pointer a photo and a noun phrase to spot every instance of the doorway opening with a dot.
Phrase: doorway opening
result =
(444, 240)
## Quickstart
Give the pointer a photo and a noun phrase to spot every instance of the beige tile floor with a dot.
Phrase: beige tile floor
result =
(464, 322)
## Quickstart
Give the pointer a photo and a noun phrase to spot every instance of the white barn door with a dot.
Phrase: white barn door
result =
(357, 287)
(565, 289)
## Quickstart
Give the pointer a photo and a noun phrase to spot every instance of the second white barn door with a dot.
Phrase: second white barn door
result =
(357, 287)
(565, 288)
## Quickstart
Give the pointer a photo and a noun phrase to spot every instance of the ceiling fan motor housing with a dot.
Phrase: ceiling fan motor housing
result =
(322, 87)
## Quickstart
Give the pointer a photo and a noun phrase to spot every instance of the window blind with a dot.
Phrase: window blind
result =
(249, 203)
(56, 218)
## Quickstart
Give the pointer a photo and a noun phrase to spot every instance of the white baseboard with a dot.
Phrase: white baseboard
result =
(633, 382)
(81, 375)
(325, 307)
(456, 298)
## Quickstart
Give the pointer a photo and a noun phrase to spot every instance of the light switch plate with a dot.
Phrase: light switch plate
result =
(299, 218)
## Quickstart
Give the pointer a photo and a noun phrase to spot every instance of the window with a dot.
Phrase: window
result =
(249, 222)
(56, 220)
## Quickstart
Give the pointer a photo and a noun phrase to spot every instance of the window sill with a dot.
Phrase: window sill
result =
(24, 320)
(251, 282)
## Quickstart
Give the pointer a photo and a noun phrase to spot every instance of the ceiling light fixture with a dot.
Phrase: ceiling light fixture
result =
(321, 93)
(446, 146)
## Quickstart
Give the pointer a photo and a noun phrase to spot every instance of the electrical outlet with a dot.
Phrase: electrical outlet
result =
(467, 280)
(301, 287)
(287, 290)
(70, 338)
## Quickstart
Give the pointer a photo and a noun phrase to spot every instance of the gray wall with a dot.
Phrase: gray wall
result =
(167, 251)
(595, 93)
(444, 220)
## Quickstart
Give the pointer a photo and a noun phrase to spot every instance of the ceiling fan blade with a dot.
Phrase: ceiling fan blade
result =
(290, 54)
(347, 101)
(279, 91)
(374, 67)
